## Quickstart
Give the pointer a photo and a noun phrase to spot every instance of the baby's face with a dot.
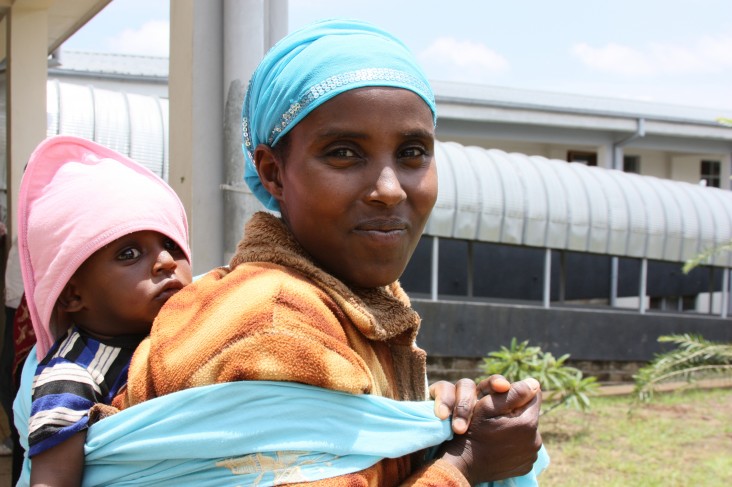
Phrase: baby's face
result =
(123, 285)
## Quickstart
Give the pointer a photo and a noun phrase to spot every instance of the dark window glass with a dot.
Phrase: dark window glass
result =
(710, 172)
(631, 164)
(587, 158)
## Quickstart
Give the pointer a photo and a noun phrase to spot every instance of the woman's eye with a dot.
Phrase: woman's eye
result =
(342, 152)
(412, 152)
(128, 254)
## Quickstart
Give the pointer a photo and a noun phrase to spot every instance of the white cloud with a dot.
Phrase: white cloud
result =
(613, 58)
(708, 55)
(151, 39)
(717, 50)
(453, 60)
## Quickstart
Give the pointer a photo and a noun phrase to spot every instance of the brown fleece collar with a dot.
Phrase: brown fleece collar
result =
(382, 314)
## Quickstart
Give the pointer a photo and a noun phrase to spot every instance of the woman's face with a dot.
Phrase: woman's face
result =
(358, 182)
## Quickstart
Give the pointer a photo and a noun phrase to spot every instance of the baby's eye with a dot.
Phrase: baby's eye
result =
(169, 245)
(129, 254)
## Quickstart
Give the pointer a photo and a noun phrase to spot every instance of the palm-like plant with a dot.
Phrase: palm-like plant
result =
(705, 256)
(694, 358)
(561, 384)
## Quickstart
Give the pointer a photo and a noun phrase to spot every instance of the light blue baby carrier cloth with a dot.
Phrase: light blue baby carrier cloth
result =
(253, 433)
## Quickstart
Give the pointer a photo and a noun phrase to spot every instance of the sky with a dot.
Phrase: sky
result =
(666, 51)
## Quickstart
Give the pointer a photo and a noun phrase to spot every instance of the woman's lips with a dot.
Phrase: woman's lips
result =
(383, 225)
(383, 233)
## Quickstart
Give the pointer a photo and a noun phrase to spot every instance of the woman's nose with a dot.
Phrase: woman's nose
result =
(387, 189)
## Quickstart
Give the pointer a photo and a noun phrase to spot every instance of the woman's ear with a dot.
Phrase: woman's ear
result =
(70, 301)
(269, 168)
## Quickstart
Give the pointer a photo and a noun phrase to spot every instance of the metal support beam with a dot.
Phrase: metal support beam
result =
(642, 286)
(725, 293)
(471, 272)
(614, 281)
(729, 292)
(547, 277)
(711, 290)
(562, 276)
(434, 270)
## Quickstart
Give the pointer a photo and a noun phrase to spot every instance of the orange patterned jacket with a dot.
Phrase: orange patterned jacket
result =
(274, 315)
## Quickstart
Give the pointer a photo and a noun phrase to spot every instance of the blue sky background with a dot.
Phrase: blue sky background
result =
(668, 51)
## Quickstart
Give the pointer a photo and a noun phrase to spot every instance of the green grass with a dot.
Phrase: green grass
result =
(680, 439)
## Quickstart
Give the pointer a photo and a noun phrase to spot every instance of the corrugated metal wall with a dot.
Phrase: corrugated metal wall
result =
(492, 196)
(134, 125)
(484, 195)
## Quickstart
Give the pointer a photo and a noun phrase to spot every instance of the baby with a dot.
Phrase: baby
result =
(103, 244)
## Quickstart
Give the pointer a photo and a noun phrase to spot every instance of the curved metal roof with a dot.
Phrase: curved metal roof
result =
(484, 195)
(133, 125)
(493, 196)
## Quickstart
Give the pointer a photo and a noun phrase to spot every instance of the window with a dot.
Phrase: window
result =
(710, 173)
(586, 158)
(631, 164)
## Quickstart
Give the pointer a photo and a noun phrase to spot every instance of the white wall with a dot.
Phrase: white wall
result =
(652, 163)
(685, 168)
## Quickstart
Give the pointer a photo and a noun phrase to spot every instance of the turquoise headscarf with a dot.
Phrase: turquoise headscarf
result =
(309, 67)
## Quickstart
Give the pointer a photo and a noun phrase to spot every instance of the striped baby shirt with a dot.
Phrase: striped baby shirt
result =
(78, 372)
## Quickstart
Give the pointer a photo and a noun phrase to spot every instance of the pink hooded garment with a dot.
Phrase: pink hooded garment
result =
(77, 196)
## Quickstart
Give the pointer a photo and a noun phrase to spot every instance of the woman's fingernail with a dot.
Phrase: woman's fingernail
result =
(443, 411)
(533, 383)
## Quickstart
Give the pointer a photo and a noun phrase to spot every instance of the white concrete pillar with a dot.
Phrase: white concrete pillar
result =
(214, 47)
(27, 53)
(3, 37)
(196, 123)
(251, 27)
(606, 155)
(725, 172)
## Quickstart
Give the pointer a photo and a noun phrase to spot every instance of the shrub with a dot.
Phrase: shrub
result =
(694, 358)
(561, 384)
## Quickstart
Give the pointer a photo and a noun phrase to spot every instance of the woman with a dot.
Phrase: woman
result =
(339, 127)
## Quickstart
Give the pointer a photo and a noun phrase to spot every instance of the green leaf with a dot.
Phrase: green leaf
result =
(694, 358)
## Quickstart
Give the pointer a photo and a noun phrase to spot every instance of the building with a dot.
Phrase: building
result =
(578, 259)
